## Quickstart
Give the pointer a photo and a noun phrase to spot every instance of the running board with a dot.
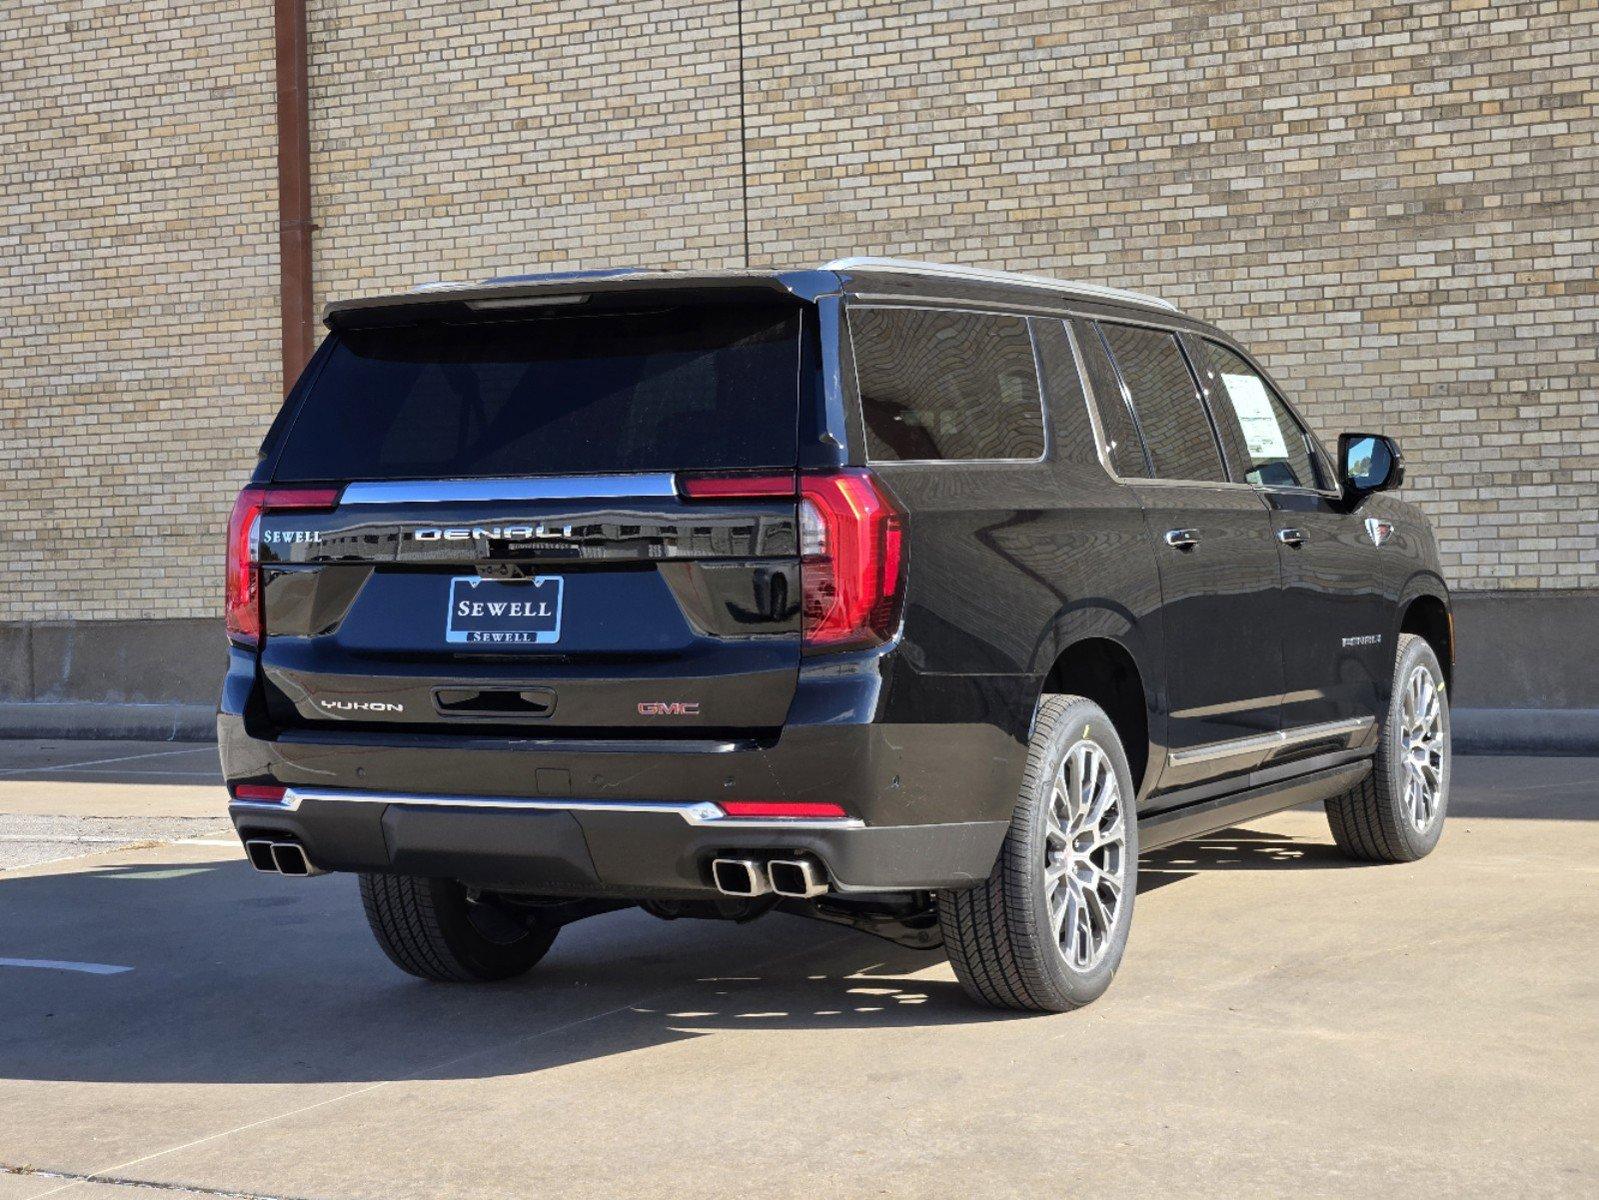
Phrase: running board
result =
(1195, 820)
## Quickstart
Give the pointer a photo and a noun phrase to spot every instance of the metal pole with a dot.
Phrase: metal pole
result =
(294, 188)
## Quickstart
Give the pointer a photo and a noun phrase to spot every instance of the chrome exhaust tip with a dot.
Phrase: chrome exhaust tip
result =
(799, 878)
(259, 852)
(290, 859)
(740, 877)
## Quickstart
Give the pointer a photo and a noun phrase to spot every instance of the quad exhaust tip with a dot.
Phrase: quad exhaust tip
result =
(796, 878)
(279, 858)
(740, 877)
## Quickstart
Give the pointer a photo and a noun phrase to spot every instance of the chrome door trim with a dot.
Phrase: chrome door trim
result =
(1254, 743)
(694, 812)
(658, 484)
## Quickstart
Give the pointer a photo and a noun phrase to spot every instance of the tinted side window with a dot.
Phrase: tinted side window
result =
(1274, 448)
(937, 384)
(1171, 415)
(1123, 447)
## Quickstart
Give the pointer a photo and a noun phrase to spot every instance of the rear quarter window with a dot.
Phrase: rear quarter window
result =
(945, 385)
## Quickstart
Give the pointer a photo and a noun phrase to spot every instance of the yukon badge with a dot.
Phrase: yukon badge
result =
(1378, 531)
(361, 706)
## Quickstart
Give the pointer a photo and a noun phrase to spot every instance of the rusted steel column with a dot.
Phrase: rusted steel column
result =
(294, 188)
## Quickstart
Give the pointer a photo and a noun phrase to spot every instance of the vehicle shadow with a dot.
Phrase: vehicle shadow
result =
(236, 977)
(242, 978)
(1237, 849)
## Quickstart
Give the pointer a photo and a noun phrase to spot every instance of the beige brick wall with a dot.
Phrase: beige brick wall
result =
(138, 298)
(459, 140)
(1395, 205)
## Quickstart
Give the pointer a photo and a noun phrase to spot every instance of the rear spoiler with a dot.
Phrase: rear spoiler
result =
(451, 302)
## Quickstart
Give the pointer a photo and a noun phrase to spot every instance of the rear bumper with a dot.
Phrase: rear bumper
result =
(928, 800)
(583, 847)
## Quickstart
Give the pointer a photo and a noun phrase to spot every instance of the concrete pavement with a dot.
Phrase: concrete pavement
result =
(1283, 1023)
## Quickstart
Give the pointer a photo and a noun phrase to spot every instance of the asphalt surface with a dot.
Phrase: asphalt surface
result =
(1283, 1023)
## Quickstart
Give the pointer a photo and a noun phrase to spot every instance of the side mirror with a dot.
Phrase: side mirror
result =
(1369, 463)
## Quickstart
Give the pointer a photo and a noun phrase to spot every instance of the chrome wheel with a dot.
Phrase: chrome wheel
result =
(1422, 746)
(1085, 855)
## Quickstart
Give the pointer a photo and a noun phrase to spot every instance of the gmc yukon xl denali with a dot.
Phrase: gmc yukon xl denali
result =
(914, 598)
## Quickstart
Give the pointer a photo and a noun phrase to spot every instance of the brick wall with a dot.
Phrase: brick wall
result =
(138, 299)
(1395, 205)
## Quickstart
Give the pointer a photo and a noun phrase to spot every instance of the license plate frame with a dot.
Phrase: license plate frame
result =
(471, 619)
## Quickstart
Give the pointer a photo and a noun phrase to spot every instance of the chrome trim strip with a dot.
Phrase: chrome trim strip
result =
(694, 812)
(1237, 747)
(544, 487)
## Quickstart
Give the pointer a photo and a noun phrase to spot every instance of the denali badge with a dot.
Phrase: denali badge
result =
(361, 706)
(1365, 639)
(672, 708)
(509, 533)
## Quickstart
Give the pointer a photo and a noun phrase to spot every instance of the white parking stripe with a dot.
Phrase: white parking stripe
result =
(93, 762)
(52, 964)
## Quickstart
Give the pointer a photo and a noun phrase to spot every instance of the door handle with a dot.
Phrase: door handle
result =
(1291, 537)
(1182, 539)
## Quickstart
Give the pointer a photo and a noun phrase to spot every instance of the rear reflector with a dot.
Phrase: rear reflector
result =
(242, 598)
(736, 487)
(259, 793)
(779, 808)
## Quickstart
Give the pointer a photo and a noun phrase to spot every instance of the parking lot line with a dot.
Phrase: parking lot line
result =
(55, 964)
(96, 762)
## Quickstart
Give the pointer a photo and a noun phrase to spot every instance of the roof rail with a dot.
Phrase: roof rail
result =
(911, 266)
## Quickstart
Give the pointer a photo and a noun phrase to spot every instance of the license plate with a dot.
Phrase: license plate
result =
(507, 612)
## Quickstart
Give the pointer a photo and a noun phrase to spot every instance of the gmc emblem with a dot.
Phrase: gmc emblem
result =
(668, 708)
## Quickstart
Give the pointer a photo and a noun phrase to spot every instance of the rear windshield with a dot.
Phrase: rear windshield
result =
(697, 388)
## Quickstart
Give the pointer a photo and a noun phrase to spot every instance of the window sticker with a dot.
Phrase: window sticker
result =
(1262, 435)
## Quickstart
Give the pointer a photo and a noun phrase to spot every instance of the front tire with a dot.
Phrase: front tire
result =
(431, 929)
(1045, 932)
(1396, 814)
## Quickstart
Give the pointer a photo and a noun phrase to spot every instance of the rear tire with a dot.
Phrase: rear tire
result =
(430, 929)
(1396, 814)
(1046, 931)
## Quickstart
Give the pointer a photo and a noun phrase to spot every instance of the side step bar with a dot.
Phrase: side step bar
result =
(1196, 820)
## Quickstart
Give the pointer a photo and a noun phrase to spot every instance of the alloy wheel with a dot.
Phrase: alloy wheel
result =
(1422, 746)
(1085, 855)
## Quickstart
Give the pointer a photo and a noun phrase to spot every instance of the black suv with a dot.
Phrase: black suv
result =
(915, 598)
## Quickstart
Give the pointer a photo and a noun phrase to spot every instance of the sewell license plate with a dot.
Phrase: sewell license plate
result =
(521, 612)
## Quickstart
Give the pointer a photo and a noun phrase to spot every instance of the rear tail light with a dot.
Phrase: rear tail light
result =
(736, 487)
(242, 602)
(852, 561)
(852, 550)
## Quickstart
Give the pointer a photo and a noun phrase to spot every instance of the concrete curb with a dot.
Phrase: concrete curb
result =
(90, 720)
(1476, 730)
